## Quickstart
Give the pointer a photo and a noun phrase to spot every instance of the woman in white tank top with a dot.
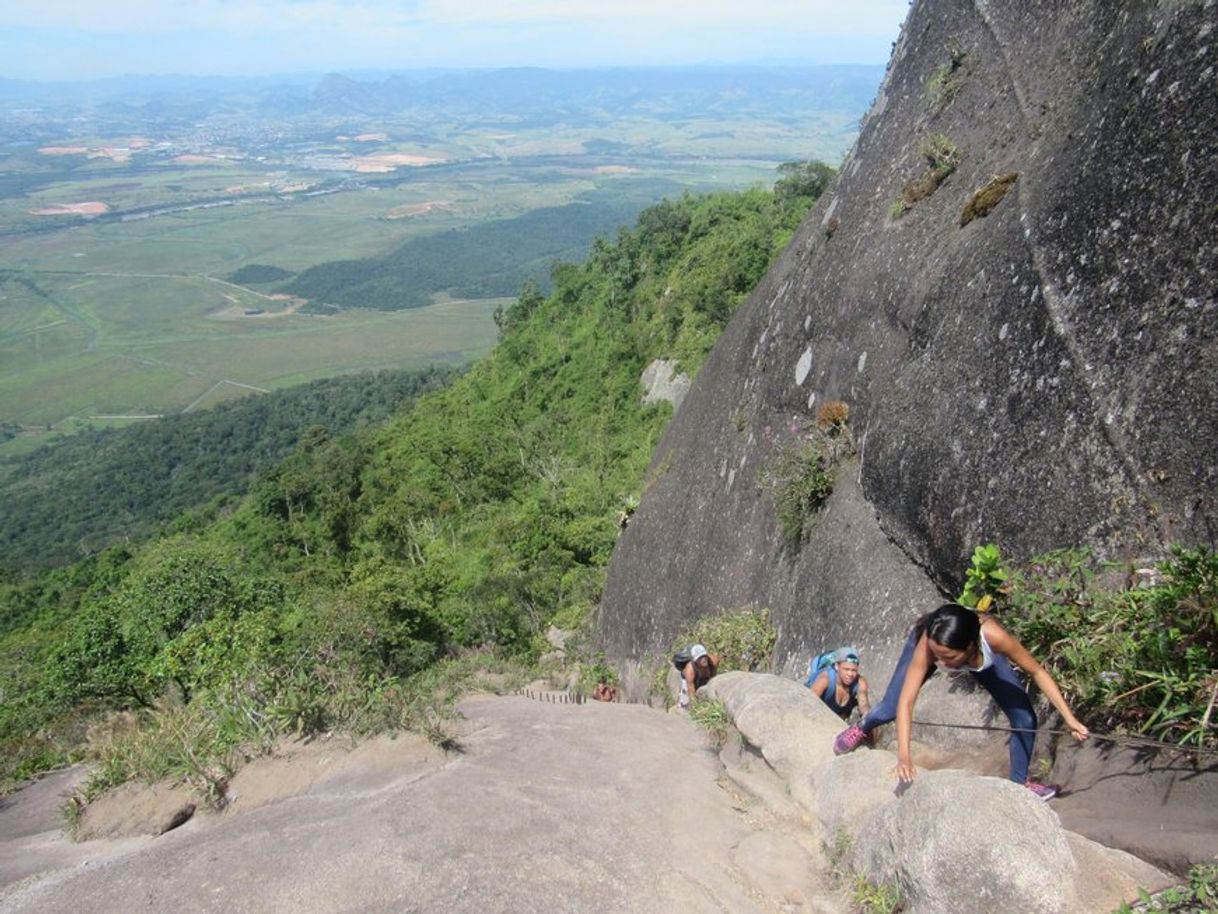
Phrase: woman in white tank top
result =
(957, 638)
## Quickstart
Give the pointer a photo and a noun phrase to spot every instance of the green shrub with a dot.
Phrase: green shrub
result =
(799, 478)
(1142, 659)
(942, 158)
(713, 717)
(876, 898)
(591, 673)
(743, 638)
(947, 79)
(941, 154)
(839, 850)
(204, 742)
(1198, 896)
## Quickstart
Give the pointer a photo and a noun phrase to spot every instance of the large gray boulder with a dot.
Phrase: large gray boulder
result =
(958, 844)
(792, 728)
(953, 841)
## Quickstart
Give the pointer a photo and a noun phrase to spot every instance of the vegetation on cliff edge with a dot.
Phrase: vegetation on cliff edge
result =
(325, 597)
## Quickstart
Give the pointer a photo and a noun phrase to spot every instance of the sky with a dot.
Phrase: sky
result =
(87, 39)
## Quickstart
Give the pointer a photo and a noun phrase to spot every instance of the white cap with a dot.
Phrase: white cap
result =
(697, 651)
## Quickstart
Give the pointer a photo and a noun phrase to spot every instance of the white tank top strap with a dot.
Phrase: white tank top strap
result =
(987, 652)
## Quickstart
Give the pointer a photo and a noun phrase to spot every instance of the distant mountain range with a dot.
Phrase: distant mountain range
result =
(675, 91)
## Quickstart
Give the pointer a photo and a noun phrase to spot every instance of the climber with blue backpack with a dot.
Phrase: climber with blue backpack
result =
(834, 678)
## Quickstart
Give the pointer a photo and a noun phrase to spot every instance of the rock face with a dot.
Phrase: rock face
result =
(1045, 375)
(953, 842)
(1163, 808)
(661, 381)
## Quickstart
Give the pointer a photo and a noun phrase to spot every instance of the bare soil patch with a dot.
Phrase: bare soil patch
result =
(388, 161)
(417, 209)
(294, 768)
(239, 312)
(90, 208)
(134, 809)
(190, 159)
(298, 767)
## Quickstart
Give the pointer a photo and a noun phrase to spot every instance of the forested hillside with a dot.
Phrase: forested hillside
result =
(85, 492)
(473, 520)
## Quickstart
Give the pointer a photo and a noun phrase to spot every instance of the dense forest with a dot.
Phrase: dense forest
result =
(468, 522)
(490, 260)
(82, 493)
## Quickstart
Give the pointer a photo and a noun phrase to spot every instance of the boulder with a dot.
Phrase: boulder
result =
(1108, 876)
(958, 844)
(849, 789)
(661, 381)
(790, 726)
(955, 842)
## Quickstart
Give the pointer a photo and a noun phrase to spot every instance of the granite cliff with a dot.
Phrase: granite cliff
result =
(1012, 286)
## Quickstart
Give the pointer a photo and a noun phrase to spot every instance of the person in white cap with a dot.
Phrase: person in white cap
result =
(696, 672)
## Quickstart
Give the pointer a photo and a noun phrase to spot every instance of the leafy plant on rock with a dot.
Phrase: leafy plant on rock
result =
(947, 79)
(799, 474)
(876, 898)
(942, 157)
(1198, 896)
(985, 580)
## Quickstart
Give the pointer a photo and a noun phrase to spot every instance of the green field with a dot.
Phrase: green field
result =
(153, 346)
(130, 314)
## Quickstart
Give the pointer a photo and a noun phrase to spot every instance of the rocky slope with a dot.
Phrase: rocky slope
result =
(1012, 286)
(548, 808)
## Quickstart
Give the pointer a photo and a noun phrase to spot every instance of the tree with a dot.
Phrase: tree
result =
(802, 179)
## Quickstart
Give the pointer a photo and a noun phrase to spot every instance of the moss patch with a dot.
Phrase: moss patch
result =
(987, 197)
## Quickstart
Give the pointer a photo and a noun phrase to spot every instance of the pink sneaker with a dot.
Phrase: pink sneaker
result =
(1044, 791)
(848, 740)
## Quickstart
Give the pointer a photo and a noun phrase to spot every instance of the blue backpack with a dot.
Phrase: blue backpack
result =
(825, 660)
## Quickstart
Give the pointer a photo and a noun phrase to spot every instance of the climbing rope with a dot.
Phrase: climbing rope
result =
(1103, 737)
